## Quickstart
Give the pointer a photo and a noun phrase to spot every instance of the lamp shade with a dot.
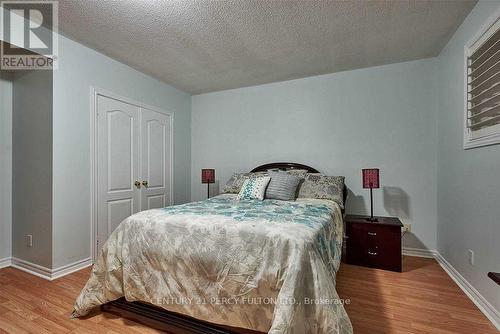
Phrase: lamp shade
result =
(208, 176)
(371, 178)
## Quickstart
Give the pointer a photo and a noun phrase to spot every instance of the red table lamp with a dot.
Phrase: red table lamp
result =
(371, 181)
(208, 176)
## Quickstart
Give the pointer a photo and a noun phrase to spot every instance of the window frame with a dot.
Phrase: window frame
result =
(487, 30)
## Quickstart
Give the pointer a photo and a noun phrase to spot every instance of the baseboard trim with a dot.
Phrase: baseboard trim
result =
(31, 268)
(71, 268)
(484, 306)
(5, 262)
(49, 274)
(418, 252)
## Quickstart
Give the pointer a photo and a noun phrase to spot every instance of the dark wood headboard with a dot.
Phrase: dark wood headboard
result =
(284, 166)
(292, 165)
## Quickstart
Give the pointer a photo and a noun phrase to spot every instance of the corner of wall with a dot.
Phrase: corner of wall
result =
(5, 168)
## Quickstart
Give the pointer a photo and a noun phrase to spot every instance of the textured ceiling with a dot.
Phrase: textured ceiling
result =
(202, 46)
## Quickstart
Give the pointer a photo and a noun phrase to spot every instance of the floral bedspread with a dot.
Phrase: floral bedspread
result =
(268, 266)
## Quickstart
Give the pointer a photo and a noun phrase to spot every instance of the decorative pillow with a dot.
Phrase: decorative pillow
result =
(323, 187)
(233, 185)
(301, 173)
(282, 186)
(254, 188)
(298, 172)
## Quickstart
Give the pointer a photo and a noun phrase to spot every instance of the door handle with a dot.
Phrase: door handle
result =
(137, 184)
(372, 253)
(372, 233)
(145, 183)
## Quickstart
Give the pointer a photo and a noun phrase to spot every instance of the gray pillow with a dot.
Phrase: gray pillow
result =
(282, 186)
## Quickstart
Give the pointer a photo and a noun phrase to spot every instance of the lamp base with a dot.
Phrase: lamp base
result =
(373, 220)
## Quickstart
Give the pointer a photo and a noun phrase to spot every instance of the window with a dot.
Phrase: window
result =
(482, 86)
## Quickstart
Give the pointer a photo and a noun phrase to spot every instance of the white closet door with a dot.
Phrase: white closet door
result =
(118, 164)
(155, 159)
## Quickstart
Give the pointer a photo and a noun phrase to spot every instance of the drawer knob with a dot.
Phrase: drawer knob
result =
(372, 253)
(372, 233)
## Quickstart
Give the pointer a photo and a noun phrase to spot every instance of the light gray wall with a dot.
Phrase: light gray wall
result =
(79, 69)
(5, 165)
(32, 166)
(468, 181)
(339, 123)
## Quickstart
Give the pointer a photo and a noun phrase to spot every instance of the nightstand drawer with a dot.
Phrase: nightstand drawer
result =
(374, 245)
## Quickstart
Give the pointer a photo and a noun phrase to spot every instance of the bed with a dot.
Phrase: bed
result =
(225, 266)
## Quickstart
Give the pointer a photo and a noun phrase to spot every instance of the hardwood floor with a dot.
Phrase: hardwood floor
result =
(422, 299)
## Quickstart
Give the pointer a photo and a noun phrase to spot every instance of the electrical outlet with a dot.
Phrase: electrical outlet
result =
(471, 257)
(29, 240)
(406, 227)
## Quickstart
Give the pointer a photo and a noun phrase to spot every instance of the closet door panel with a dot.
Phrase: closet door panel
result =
(118, 196)
(155, 159)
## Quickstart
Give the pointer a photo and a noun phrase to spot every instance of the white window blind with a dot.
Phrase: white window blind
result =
(483, 89)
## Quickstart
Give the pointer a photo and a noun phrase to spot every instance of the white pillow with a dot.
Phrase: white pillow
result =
(254, 188)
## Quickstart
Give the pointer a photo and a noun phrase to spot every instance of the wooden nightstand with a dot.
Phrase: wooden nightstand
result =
(374, 244)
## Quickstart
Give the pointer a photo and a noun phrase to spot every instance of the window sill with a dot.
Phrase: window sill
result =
(480, 142)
